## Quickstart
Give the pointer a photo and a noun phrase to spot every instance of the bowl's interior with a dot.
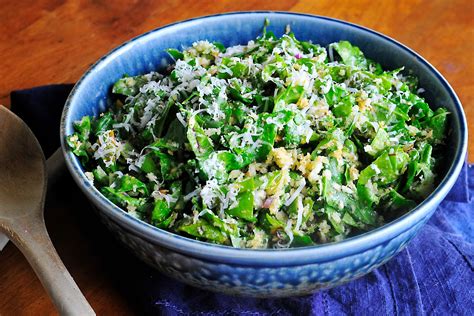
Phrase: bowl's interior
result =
(147, 53)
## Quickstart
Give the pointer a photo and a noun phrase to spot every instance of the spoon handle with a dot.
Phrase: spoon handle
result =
(29, 234)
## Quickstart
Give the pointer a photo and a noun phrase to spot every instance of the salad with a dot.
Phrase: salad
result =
(277, 143)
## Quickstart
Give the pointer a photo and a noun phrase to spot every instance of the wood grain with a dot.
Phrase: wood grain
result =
(55, 41)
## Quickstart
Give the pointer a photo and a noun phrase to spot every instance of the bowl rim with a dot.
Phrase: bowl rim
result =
(265, 257)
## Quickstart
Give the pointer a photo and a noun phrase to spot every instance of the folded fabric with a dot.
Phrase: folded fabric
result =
(433, 275)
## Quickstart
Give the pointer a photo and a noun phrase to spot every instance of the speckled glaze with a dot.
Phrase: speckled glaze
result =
(262, 273)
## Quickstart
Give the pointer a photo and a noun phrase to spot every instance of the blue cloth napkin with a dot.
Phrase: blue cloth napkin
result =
(433, 275)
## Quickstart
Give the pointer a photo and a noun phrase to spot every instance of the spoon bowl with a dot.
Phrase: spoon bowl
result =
(22, 168)
(22, 192)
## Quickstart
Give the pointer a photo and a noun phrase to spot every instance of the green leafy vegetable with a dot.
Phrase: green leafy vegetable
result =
(276, 143)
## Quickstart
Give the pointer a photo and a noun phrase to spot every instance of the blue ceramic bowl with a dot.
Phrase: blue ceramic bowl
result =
(263, 273)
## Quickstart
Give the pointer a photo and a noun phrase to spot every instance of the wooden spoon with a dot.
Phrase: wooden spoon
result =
(22, 193)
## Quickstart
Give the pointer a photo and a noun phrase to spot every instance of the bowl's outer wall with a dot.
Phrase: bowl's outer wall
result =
(262, 281)
(306, 269)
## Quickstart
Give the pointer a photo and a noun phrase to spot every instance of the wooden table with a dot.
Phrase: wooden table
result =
(52, 41)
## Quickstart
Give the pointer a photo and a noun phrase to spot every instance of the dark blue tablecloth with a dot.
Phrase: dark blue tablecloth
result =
(433, 275)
